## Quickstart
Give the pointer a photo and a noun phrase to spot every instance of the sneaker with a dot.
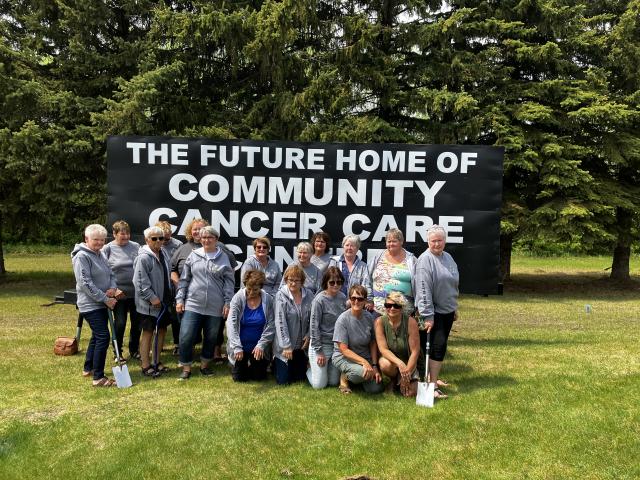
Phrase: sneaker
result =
(184, 375)
(176, 351)
(206, 371)
(134, 355)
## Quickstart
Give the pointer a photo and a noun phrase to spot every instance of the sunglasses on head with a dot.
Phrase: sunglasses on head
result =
(356, 299)
(333, 283)
(392, 305)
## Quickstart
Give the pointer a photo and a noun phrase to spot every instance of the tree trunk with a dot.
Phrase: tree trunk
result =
(3, 270)
(506, 245)
(622, 252)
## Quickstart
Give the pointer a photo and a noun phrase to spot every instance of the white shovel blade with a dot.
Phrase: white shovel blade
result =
(121, 374)
(424, 398)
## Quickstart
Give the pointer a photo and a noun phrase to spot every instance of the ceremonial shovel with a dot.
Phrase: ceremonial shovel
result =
(426, 391)
(120, 371)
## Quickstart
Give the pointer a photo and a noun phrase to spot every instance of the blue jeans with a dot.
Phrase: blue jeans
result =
(99, 342)
(320, 377)
(189, 327)
(290, 371)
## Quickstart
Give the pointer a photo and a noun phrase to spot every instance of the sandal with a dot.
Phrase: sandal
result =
(345, 390)
(103, 382)
(442, 383)
(160, 368)
(150, 372)
(87, 373)
(344, 385)
(439, 394)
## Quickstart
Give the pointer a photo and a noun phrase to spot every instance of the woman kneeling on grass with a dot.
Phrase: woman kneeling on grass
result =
(325, 309)
(356, 353)
(399, 344)
(204, 295)
(293, 308)
(250, 329)
(96, 287)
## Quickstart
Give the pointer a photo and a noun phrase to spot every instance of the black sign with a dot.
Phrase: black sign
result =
(288, 190)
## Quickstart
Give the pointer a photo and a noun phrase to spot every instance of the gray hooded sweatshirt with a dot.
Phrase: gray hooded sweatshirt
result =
(312, 280)
(236, 311)
(325, 310)
(272, 273)
(291, 320)
(121, 259)
(206, 284)
(93, 278)
(358, 276)
(437, 280)
(148, 280)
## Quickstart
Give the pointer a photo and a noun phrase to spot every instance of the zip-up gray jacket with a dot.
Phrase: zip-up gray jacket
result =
(437, 281)
(313, 278)
(236, 312)
(148, 280)
(411, 263)
(93, 278)
(206, 285)
(272, 273)
(120, 259)
(324, 313)
(181, 254)
(358, 276)
(291, 321)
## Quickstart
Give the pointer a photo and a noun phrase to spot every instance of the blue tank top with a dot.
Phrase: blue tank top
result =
(251, 327)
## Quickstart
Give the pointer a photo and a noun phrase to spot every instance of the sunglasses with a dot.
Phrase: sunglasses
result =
(262, 247)
(392, 305)
(356, 299)
(156, 239)
(333, 283)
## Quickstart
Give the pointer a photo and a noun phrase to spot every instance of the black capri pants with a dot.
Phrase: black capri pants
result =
(442, 323)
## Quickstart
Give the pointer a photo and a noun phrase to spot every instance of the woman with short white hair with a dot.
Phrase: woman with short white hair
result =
(313, 276)
(437, 281)
(151, 279)
(354, 270)
(96, 289)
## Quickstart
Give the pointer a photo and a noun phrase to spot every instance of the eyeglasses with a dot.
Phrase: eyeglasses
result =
(392, 305)
(333, 283)
(262, 247)
(294, 280)
(357, 299)
(207, 238)
(156, 239)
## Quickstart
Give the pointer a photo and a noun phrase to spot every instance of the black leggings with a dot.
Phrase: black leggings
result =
(442, 323)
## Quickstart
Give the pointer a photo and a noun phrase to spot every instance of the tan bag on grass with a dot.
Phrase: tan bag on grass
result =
(65, 346)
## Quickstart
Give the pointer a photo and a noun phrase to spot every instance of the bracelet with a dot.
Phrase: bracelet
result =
(374, 365)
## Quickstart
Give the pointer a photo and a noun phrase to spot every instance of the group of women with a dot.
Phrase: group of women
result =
(332, 320)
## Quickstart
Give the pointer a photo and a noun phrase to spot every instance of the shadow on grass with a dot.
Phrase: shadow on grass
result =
(567, 285)
(483, 382)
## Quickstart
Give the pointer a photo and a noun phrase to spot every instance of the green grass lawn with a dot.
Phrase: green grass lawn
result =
(540, 389)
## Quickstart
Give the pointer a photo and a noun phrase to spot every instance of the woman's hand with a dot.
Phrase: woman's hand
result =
(179, 307)
(225, 311)
(405, 373)
(287, 353)
(239, 356)
(455, 316)
(111, 303)
(119, 295)
(110, 293)
(376, 375)
(258, 353)
(305, 343)
(369, 373)
(369, 307)
(428, 325)
(156, 302)
(321, 360)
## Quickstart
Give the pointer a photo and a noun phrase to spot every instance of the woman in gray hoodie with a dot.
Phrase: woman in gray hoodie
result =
(153, 294)
(250, 329)
(204, 295)
(293, 309)
(96, 289)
